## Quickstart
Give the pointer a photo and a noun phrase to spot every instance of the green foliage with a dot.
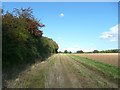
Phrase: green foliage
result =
(60, 52)
(110, 51)
(66, 52)
(104, 51)
(95, 51)
(21, 43)
(80, 51)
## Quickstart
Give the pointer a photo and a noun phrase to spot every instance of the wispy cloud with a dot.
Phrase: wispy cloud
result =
(111, 35)
(76, 48)
(61, 15)
(73, 49)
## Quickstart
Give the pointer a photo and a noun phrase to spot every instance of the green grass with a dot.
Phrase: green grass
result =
(109, 70)
(36, 77)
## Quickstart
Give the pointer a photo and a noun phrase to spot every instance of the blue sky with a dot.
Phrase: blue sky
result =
(76, 26)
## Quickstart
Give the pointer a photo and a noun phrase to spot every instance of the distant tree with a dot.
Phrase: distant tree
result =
(95, 51)
(118, 50)
(80, 51)
(70, 52)
(65, 51)
(59, 51)
(110, 51)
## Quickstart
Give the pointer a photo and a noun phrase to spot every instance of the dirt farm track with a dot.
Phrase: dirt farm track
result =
(67, 71)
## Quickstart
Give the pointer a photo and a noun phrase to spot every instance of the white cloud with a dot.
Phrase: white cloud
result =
(61, 15)
(112, 34)
(76, 48)
(73, 49)
(89, 50)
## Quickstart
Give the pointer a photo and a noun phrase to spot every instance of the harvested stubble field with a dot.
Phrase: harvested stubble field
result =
(109, 58)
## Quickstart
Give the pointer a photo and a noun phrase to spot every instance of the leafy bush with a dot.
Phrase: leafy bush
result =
(80, 51)
(22, 40)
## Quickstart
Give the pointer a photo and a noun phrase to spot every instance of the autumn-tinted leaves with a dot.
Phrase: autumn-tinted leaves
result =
(22, 38)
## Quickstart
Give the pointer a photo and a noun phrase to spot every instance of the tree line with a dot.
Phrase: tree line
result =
(94, 51)
(22, 38)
